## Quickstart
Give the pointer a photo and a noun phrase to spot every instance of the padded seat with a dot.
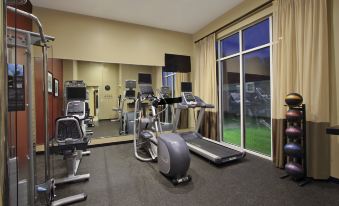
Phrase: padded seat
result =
(69, 135)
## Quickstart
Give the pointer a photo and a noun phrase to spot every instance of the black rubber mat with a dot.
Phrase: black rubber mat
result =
(119, 179)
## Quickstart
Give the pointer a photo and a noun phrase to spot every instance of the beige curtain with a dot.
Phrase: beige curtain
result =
(204, 76)
(185, 119)
(300, 64)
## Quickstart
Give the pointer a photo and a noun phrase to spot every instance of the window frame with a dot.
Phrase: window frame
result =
(241, 54)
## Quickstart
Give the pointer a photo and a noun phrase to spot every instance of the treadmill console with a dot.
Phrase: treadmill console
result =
(146, 91)
(189, 99)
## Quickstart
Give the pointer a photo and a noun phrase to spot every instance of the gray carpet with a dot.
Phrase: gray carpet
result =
(117, 178)
(105, 128)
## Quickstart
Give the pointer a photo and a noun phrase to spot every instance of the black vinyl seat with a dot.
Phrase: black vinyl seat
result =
(69, 135)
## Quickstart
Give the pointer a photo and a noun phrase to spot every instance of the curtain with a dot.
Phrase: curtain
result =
(300, 64)
(185, 120)
(204, 77)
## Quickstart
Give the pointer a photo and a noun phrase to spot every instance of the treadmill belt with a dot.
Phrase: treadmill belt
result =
(216, 149)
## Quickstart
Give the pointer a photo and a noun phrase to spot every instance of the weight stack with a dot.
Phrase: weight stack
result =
(295, 139)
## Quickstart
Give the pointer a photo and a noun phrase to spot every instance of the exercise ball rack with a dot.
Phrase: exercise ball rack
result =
(295, 141)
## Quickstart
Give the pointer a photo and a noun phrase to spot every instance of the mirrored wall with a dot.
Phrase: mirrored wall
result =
(106, 92)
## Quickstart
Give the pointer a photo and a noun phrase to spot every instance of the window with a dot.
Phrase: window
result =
(245, 88)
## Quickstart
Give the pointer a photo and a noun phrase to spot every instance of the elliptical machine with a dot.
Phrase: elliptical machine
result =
(169, 150)
(126, 118)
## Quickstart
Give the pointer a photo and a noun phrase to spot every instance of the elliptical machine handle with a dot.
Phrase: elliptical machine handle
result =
(182, 106)
(210, 106)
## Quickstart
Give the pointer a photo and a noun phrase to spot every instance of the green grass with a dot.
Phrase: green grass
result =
(258, 137)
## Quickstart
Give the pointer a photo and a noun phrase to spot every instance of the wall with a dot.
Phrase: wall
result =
(87, 38)
(55, 104)
(101, 74)
(243, 8)
(333, 8)
(20, 21)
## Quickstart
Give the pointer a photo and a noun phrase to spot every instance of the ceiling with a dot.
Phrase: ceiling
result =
(186, 16)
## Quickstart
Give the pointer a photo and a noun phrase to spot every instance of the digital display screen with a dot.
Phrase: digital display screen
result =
(144, 78)
(78, 93)
(131, 84)
(189, 97)
(186, 86)
(177, 63)
(16, 87)
(130, 94)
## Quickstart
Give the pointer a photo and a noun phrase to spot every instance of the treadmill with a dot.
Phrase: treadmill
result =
(207, 148)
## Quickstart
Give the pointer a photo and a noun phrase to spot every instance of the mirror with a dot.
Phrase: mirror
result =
(110, 94)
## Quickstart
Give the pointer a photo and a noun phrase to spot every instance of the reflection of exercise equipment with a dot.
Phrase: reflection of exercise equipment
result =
(169, 150)
(295, 139)
(262, 107)
(257, 104)
(76, 102)
(126, 118)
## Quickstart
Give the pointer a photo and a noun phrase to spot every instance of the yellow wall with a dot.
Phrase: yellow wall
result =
(101, 74)
(67, 70)
(88, 38)
(228, 17)
(333, 9)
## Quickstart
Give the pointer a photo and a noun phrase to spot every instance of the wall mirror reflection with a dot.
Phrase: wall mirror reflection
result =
(111, 90)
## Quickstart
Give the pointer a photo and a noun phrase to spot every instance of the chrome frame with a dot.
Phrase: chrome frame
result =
(48, 185)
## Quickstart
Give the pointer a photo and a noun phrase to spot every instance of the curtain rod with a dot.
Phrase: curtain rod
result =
(238, 19)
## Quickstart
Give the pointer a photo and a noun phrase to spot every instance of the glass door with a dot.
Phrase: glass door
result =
(231, 97)
(244, 59)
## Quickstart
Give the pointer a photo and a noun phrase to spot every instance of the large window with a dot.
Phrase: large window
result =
(244, 59)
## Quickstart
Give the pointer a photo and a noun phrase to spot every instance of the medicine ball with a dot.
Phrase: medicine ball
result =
(293, 115)
(293, 132)
(295, 170)
(293, 150)
(293, 99)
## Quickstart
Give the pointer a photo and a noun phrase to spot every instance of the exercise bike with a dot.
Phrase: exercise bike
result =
(150, 144)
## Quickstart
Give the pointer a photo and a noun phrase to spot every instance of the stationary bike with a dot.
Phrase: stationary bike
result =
(169, 150)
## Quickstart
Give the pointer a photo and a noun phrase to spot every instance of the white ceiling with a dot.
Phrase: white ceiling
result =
(186, 16)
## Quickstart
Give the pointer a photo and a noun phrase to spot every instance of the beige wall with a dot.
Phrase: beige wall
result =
(228, 17)
(100, 75)
(88, 38)
(334, 74)
(68, 70)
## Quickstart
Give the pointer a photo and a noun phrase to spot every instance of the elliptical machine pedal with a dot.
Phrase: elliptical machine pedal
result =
(182, 180)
